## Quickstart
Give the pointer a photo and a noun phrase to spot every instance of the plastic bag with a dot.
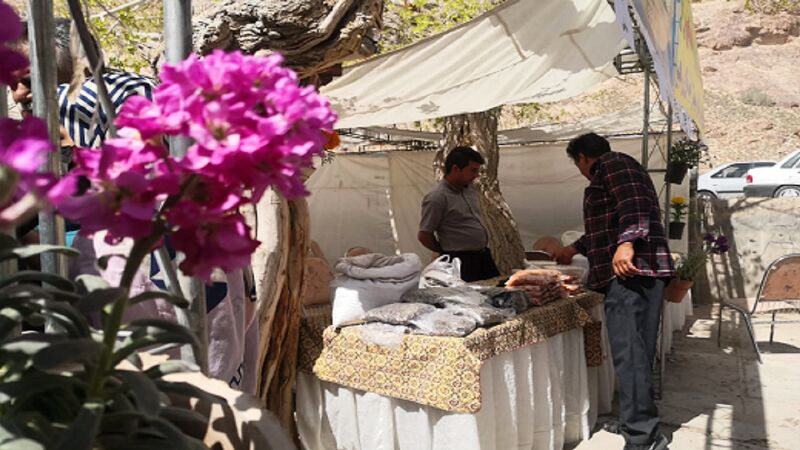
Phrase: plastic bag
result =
(443, 323)
(398, 313)
(507, 298)
(383, 334)
(442, 272)
(483, 315)
(440, 296)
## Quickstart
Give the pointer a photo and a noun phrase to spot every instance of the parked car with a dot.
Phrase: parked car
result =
(727, 180)
(780, 180)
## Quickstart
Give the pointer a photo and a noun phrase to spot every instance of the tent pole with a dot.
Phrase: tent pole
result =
(668, 186)
(646, 114)
(43, 85)
(3, 101)
(178, 42)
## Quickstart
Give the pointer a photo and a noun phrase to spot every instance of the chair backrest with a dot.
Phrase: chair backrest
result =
(781, 281)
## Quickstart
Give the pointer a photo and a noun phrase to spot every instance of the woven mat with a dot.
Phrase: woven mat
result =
(443, 372)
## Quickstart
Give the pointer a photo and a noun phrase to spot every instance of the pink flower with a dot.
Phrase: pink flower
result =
(10, 61)
(224, 244)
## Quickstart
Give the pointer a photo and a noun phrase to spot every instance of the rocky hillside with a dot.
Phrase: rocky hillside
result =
(751, 79)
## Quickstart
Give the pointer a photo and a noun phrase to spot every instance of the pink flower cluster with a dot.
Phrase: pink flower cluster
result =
(24, 146)
(10, 61)
(253, 127)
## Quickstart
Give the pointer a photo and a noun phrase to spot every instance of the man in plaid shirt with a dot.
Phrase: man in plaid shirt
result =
(629, 260)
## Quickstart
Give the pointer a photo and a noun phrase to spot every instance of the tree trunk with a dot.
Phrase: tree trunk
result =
(313, 35)
(479, 130)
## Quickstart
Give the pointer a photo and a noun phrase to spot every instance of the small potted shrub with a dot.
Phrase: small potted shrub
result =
(678, 207)
(688, 266)
(683, 155)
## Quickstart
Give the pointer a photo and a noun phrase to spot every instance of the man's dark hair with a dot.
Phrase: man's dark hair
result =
(590, 145)
(461, 157)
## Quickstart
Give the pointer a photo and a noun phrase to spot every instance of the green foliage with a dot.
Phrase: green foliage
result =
(688, 266)
(422, 18)
(755, 97)
(692, 153)
(66, 389)
(126, 36)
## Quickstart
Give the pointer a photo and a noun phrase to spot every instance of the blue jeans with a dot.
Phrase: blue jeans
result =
(633, 315)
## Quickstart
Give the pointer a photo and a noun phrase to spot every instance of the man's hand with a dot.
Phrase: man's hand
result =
(564, 255)
(623, 261)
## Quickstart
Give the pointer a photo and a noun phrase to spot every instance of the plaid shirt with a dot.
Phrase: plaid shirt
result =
(621, 205)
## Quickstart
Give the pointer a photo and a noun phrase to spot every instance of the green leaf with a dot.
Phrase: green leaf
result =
(32, 250)
(8, 242)
(21, 443)
(175, 436)
(147, 332)
(187, 390)
(80, 435)
(32, 275)
(97, 299)
(91, 282)
(186, 419)
(169, 367)
(68, 317)
(152, 295)
(144, 391)
(57, 355)
(37, 383)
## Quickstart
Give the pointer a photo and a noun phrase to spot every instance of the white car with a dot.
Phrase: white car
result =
(726, 180)
(780, 180)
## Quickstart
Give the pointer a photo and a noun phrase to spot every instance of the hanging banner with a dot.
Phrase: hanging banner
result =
(687, 79)
(655, 24)
(625, 22)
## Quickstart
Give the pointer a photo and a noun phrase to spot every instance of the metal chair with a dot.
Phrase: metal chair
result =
(779, 292)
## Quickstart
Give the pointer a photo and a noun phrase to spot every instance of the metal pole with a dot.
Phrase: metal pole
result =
(3, 101)
(646, 118)
(43, 85)
(668, 188)
(178, 41)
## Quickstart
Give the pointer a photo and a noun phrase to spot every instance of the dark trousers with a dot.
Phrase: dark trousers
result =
(476, 264)
(633, 315)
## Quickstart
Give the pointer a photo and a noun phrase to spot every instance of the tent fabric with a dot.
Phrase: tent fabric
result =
(373, 199)
(523, 51)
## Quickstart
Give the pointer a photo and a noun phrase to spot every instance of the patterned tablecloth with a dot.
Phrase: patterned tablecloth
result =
(443, 372)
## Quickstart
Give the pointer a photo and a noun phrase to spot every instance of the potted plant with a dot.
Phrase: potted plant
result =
(81, 386)
(688, 266)
(683, 155)
(678, 206)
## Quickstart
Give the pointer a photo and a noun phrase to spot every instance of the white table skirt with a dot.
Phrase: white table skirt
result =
(541, 396)
(674, 316)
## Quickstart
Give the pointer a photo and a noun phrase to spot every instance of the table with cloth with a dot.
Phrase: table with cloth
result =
(536, 381)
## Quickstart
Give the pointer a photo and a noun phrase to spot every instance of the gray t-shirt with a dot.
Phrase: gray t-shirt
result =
(454, 215)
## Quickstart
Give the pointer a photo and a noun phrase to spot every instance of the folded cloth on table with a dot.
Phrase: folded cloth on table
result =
(377, 267)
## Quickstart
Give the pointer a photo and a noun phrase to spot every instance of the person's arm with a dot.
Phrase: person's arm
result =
(628, 184)
(433, 208)
(428, 239)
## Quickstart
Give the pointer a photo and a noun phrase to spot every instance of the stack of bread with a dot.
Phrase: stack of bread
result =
(542, 285)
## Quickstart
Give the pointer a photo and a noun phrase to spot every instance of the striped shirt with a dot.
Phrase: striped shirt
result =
(78, 116)
(621, 205)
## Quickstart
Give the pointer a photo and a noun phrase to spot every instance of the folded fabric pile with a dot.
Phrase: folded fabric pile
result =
(368, 281)
(542, 285)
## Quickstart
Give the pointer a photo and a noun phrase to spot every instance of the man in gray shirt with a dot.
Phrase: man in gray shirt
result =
(451, 218)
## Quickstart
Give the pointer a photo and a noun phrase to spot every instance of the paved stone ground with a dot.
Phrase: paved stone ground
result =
(721, 397)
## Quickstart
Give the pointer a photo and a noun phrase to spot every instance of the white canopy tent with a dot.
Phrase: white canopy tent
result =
(373, 199)
(523, 51)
